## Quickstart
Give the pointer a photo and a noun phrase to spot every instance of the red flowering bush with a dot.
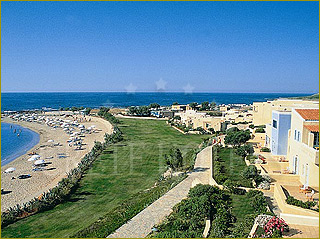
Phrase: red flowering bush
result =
(275, 227)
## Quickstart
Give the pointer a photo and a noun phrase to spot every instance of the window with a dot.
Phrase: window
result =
(297, 135)
(274, 124)
(316, 139)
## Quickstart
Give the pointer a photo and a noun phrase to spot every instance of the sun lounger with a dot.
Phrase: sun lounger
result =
(24, 176)
(304, 189)
(309, 196)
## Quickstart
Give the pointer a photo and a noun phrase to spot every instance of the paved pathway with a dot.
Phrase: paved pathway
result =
(141, 225)
(300, 231)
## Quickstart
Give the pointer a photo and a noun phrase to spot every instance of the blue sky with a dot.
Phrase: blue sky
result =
(206, 46)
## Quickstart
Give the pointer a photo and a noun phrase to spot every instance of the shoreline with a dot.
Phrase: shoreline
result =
(23, 150)
(19, 191)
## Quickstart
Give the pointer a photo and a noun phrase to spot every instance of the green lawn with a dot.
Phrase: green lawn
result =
(125, 169)
(233, 165)
(241, 207)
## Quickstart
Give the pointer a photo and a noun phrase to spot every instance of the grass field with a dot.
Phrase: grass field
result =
(233, 166)
(125, 169)
(241, 207)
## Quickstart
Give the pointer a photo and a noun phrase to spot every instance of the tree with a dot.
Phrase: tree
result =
(244, 150)
(73, 108)
(241, 151)
(103, 111)
(249, 149)
(154, 106)
(233, 129)
(174, 158)
(87, 111)
(237, 138)
(250, 172)
(211, 130)
(132, 110)
(139, 110)
(205, 105)
(193, 105)
(213, 105)
(175, 103)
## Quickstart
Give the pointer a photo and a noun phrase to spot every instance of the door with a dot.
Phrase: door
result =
(295, 165)
(306, 173)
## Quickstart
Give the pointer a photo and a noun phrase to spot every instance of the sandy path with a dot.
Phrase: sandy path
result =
(23, 190)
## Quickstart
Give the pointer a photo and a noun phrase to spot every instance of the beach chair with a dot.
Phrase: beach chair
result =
(310, 195)
(304, 189)
(286, 171)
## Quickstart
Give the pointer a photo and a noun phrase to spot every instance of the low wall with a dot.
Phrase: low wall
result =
(207, 228)
(181, 131)
(300, 220)
(288, 209)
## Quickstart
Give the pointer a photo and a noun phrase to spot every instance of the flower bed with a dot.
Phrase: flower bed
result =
(273, 227)
(307, 205)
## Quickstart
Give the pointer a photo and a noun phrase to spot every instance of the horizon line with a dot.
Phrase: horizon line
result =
(132, 93)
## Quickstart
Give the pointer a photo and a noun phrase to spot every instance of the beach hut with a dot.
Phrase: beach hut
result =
(10, 170)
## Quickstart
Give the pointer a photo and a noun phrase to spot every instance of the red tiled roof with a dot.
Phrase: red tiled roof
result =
(312, 128)
(309, 114)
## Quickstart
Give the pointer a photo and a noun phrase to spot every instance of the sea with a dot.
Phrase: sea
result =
(13, 146)
(27, 101)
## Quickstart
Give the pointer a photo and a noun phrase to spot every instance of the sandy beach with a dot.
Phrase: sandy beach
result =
(19, 191)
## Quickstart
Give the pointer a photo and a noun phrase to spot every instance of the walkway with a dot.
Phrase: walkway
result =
(300, 231)
(141, 225)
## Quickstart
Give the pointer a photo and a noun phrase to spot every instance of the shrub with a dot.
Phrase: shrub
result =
(257, 201)
(189, 216)
(104, 113)
(307, 205)
(174, 159)
(264, 149)
(211, 130)
(250, 172)
(242, 230)
(244, 150)
(221, 223)
(218, 173)
(260, 130)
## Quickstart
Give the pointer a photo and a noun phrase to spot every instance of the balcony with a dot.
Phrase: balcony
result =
(312, 153)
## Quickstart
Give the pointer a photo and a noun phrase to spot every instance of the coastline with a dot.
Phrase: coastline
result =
(29, 146)
(23, 190)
